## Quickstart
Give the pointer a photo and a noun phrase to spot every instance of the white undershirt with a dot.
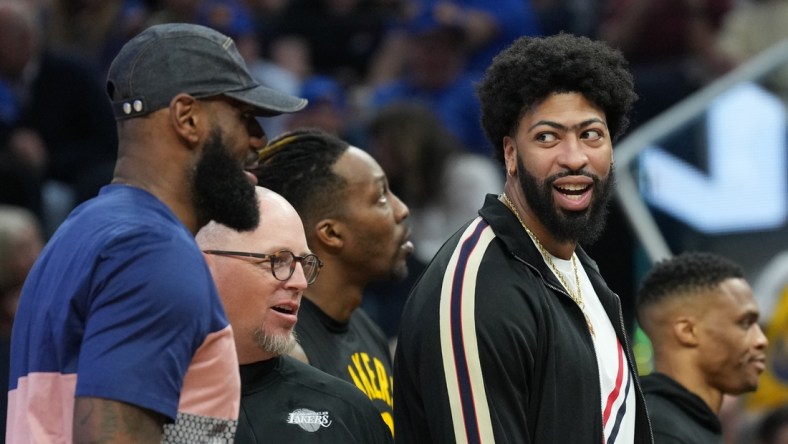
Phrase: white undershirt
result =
(620, 423)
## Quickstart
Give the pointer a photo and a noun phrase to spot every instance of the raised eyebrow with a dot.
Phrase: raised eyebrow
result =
(590, 122)
(549, 123)
(561, 127)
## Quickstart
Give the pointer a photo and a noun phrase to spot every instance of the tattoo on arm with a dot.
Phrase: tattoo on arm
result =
(98, 420)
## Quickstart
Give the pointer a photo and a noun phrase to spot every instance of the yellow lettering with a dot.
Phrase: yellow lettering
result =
(385, 389)
(356, 380)
(389, 420)
(362, 374)
(372, 377)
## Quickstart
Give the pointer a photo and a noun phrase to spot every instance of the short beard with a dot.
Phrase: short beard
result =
(582, 227)
(220, 190)
(276, 345)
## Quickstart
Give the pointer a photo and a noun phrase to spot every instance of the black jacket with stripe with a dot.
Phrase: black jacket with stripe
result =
(490, 320)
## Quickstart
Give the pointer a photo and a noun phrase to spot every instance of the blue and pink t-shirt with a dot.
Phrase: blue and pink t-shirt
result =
(120, 305)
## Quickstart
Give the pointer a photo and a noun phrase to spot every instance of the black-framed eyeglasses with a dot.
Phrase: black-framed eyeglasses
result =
(283, 262)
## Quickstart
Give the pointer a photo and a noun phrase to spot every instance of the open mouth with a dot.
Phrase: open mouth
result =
(284, 309)
(573, 191)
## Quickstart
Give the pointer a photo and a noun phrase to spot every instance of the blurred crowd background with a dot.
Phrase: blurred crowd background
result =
(394, 77)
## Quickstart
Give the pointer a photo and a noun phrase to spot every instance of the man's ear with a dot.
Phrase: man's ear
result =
(185, 118)
(329, 232)
(685, 329)
(510, 156)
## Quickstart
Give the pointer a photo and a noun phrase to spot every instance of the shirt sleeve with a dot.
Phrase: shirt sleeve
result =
(148, 313)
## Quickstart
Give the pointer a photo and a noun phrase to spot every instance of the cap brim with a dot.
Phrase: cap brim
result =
(268, 102)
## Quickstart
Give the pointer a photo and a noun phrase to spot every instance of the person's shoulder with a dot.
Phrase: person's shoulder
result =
(361, 318)
(363, 325)
(470, 257)
(308, 393)
(136, 238)
(133, 212)
(119, 219)
(126, 202)
(320, 382)
(662, 401)
(661, 385)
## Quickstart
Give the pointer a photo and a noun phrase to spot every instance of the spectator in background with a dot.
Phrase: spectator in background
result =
(94, 29)
(328, 109)
(667, 66)
(356, 225)
(63, 132)
(21, 162)
(288, 51)
(232, 18)
(261, 276)
(341, 35)
(489, 26)
(751, 27)
(21, 240)
(578, 17)
(700, 314)
(264, 12)
(175, 11)
(435, 75)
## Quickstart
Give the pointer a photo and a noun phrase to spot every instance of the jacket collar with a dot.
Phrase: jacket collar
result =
(506, 227)
(509, 230)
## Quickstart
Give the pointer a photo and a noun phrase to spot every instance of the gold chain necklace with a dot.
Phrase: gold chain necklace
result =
(578, 298)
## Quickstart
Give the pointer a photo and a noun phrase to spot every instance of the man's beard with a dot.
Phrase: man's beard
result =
(582, 227)
(276, 345)
(220, 190)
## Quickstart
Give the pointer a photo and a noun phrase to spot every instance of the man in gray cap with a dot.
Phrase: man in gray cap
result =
(120, 334)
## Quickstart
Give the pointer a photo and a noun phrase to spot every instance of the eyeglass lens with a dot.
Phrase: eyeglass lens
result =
(283, 265)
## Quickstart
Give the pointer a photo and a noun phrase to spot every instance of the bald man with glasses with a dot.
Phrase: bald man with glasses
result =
(261, 276)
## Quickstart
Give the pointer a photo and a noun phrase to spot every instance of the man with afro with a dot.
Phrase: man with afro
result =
(511, 334)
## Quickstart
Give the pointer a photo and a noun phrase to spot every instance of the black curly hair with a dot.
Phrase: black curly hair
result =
(532, 68)
(299, 166)
(687, 272)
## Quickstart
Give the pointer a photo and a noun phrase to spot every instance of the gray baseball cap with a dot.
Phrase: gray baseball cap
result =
(166, 60)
